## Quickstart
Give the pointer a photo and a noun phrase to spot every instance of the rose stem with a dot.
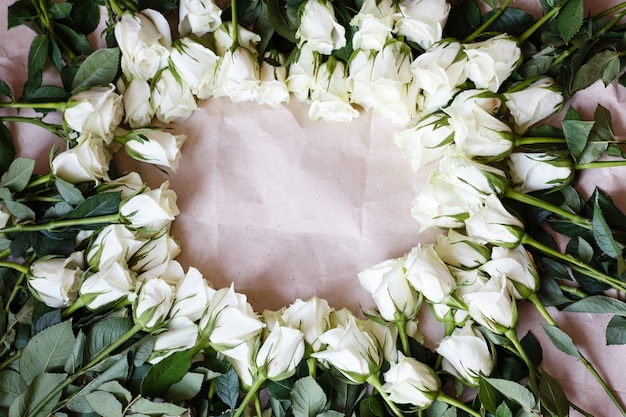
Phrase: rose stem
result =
(537, 202)
(488, 23)
(256, 385)
(458, 404)
(546, 17)
(107, 218)
(375, 382)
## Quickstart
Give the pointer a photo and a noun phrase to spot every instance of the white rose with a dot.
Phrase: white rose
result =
(466, 354)
(126, 185)
(144, 40)
(330, 97)
(470, 175)
(517, 266)
(229, 320)
(280, 353)
(192, 296)
(492, 305)
(531, 171)
(312, 317)
(477, 132)
(108, 285)
(113, 244)
(152, 258)
(375, 22)
(97, 111)
(238, 76)
(493, 223)
(534, 103)
(153, 304)
(426, 141)
(422, 21)
(351, 351)
(87, 161)
(319, 28)
(439, 72)
(301, 74)
(152, 209)
(223, 38)
(428, 274)
(179, 334)
(461, 251)
(273, 86)
(409, 381)
(55, 281)
(198, 17)
(172, 98)
(491, 62)
(196, 64)
(241, 358)
(383, 81)
(138, 104)
(394, 297)
(158, 147)
(385, 336)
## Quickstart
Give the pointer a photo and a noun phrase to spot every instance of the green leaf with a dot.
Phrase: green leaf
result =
(143, 406)
(11, 385)
(580, 248)
(37, 391)
(18, 175)
(616, 331)
(603, 126)
(514, 391)
(106, 332)
(280, 389)
(512, 21)
(570, 19)
(7, 148)
(307, 398)
(561, 340)
(280, 21)
(86, 16)
(598, 304)
(48, 350)
(576, 135)
(37, 56)
(552, 395)
(603, 235)
(5, 90)
(186, 388)
(99, 69)
(105, 404)
(19, 210)
(503, 410)
(20, 12)
(78, 41)
(97, 205)
(60, 11)
(227, 387)
(600, 66)
(69, 192)
(75, 360)
(331, 413)
(167, 372)
(47, 93)
(369, 407)
(116, 389)
(488, 395)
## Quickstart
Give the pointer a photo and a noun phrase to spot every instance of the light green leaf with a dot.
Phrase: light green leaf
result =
(48, 350)
(514, 391)
(570, 19)
(307, 398)
(167, 372)
(116, 389)
(11, 385)
(561, 340)
(186, 388)
(99, 69)
(599, 304)
(37, 391)
(503, 410)
(105, 404)
(19, 210)
(143, 406)
(576, 135)
(227, 387)
(616, 331)
(552, 396)
(331, 413)
(69, 192)
(75, 360)
(18, 175)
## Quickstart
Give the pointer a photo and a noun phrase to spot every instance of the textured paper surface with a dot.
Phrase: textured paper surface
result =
(287, 208)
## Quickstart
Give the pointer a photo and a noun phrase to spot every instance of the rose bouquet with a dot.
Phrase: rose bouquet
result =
(99, 318)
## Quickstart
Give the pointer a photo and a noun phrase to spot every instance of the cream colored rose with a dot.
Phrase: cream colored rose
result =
(55, 281)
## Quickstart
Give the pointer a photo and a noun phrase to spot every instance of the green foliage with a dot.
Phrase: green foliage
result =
(99, 69)
(166, 372)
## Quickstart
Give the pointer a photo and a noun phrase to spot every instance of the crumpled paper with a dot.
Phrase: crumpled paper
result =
(287, 208)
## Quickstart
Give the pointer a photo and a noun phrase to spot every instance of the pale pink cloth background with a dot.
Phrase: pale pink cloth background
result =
(287, 208)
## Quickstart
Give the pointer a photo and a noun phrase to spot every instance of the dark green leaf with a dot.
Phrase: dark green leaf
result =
(60, 11)
(570, 19)
(11, 385)
(75, 360)
(38, 390)
(21, 12)
(600, 66)
(80, 43)
(18, 175)
(488, 395)
(580, 249)
(47, 93)
(533, 348)
(55, 55)
(561, 340)
(616, 331)
(463, 19)
(186, 388)
(47, 351)
(536, 66)
(104, 403)
(5, 90)
(603, 235)
(227, 387)
(7, 148)
(576, 135)
(280, 389)
(104, 333)
(99, 69)
(167, 372)
(280, 21)
(552, 395)
(46, 319)
(598, 304)
(69, 192)
(603, 126)
(370, 407)
(60, 209)
(514, 391)
(307, 398)
(158, 5)
(512, 21)
(97, 205)
(86, 15)
(37, 56)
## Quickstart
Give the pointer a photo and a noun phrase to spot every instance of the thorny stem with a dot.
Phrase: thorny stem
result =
(37, 121)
